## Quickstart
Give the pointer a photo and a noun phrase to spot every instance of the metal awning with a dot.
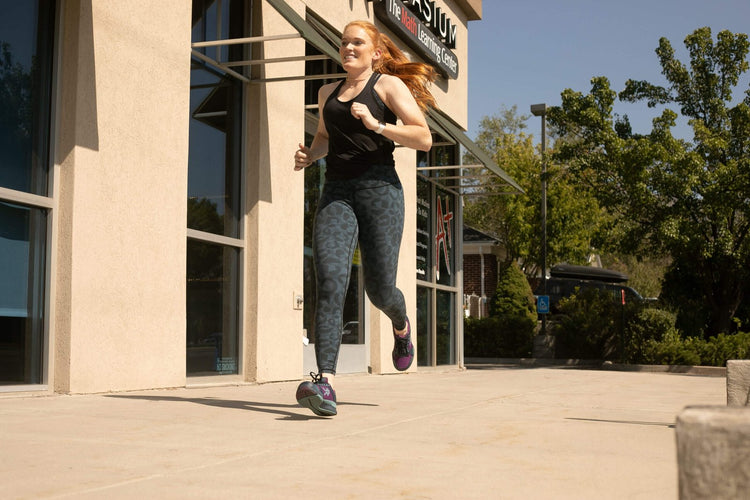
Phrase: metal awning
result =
(463, 183)
(440, 122)
(303, 30)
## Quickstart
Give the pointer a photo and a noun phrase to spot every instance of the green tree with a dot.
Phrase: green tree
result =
(688, 201)
(513, 296)
(573, 216)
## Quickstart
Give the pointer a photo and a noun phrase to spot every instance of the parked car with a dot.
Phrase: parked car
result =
(566, 279)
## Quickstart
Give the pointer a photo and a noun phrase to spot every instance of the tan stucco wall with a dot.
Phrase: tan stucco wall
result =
(122, 168)
(273, 329)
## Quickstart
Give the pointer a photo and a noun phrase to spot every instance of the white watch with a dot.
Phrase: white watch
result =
(381, 127)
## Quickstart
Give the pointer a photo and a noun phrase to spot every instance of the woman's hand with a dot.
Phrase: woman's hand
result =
(362, 112)
(302, 158)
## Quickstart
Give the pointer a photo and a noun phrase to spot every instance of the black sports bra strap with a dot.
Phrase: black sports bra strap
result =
(371, 82)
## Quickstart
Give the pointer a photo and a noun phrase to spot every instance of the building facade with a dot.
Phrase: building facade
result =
(153, 231)
(482, 256)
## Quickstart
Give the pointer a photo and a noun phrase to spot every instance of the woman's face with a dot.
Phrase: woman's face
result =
(357, 50)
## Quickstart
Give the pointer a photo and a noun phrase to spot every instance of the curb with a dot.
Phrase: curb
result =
(704, 371)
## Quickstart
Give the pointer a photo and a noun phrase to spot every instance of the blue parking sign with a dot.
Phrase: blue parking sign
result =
(542, 304)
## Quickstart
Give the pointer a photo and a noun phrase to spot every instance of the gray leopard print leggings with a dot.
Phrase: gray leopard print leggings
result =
(368, 209)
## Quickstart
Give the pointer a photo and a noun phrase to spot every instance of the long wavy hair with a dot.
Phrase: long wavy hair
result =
(417, 76)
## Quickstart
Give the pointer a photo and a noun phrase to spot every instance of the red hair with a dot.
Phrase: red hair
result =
(417, 76)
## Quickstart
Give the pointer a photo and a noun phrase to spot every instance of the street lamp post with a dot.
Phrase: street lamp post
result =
(541, 110)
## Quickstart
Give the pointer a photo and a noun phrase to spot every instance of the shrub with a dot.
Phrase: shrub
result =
(509, 331)
(592, 326)
(513, 295)
(499, 337)
(589, 326)
(674, 349)
(644, 325)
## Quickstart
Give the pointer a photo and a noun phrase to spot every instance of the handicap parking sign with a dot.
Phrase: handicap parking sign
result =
(542, 304)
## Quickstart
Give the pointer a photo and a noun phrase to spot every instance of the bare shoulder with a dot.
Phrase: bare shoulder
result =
(391, 83)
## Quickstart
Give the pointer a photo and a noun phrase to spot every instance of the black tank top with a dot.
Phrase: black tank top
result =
(352, 147)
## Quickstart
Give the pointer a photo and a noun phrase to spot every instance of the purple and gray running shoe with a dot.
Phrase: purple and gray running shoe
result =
(317, 395)
(403, 349)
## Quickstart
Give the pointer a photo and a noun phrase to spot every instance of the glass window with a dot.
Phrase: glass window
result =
(424, 334)
(436, 257)
(23, 233)
(214, 159)
(443, 244)
(215, 193)
(424, 216)
(26, 35)
(446, 328)
(212, 308)
(215, 123)
(26, 49)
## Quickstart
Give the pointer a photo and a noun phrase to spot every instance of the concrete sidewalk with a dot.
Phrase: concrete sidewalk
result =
(488, 432)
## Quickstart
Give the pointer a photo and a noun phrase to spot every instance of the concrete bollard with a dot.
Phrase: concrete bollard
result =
(738, 382)
(713, 452)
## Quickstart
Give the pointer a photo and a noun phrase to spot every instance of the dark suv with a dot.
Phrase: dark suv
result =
(566, 279)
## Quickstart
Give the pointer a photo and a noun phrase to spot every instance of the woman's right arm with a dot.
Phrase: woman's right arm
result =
(304, 157)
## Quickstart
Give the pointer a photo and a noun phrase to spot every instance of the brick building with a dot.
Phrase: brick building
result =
(482, 253)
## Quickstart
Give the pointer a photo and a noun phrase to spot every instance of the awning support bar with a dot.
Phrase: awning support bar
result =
(216, 64)
(238, 41)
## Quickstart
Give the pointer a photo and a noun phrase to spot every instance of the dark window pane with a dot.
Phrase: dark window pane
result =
(424, 327)
(23, 233)
(26, 33)
(216, 121)
(446, 349)
(445, 233)
(212, 308)
(214, 158)
(424, 238)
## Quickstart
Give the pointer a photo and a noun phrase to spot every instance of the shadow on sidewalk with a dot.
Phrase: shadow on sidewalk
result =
(272, 408)
(628, 422)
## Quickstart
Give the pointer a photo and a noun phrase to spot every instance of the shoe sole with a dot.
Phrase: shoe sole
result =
(318, 405)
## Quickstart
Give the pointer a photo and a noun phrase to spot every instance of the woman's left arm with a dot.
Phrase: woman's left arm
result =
(413, 131)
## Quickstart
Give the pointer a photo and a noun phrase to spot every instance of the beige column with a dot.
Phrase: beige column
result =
(121, 168)
(274, 256)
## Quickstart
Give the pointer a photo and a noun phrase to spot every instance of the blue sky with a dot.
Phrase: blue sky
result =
(524, 52)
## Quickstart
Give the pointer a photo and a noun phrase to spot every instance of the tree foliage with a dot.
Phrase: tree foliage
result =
(573, 216)
(687, 200)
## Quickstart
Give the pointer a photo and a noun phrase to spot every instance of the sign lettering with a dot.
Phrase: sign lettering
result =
(425, 28)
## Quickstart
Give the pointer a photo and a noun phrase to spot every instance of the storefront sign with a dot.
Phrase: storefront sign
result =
(425, 28)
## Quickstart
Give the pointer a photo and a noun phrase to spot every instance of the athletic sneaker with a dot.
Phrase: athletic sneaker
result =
(317, 395)
(403, 349)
